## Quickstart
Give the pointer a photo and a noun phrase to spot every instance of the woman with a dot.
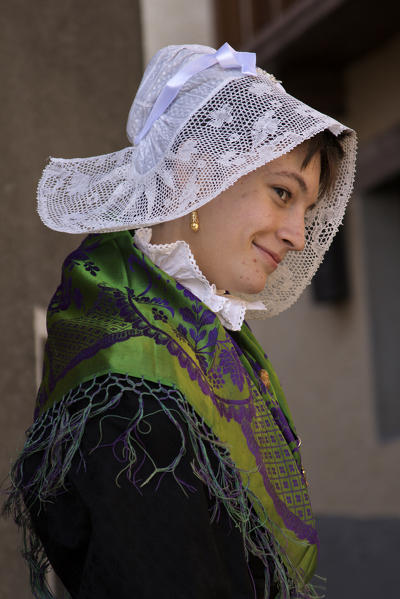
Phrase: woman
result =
(163, 460)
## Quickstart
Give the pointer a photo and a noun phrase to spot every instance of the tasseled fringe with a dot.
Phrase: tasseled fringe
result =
(58, 434)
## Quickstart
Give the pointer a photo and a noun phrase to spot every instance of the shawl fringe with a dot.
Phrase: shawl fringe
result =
(56, 437)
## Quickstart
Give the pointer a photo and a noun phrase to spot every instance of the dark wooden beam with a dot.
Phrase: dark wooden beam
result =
(227, 22)
(323, 87)
(246, 19)
(328, 33)
(292, 24)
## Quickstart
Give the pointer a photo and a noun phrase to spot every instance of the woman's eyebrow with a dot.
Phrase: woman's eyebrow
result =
(296, 177)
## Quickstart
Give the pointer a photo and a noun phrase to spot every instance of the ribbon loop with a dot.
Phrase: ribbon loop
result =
(229, 58)
(225, 56)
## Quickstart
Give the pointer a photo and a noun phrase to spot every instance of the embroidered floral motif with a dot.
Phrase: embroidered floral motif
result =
(221, 116)
(259, 88)
(217, 377)
(305, 111)
(263, 127)
(168, 180)
(232, 158)
(275, 104)
(231, 365)
(91, 267)
(186, 150)
(78, 181)
(82, 253)
(181, 332)
(159, 315)
(200, 318)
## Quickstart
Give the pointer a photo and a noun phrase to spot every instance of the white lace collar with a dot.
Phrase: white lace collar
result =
(177, 260)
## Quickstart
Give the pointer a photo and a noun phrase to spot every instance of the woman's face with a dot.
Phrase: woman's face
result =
(248, 229)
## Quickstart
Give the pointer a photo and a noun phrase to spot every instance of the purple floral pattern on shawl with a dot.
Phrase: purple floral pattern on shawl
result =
(158, 308)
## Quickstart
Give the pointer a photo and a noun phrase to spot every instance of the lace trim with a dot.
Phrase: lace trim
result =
(177, 260)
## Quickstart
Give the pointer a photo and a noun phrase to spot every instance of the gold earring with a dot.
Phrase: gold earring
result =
(194, 221)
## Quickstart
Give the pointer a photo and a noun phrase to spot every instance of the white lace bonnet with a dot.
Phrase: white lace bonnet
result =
(201, 119)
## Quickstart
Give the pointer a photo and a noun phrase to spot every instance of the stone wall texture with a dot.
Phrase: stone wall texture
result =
(69, 73)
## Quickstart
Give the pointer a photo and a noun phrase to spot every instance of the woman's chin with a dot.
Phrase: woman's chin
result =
(250, 287)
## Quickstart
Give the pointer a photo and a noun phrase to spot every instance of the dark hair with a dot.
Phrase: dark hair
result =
(331, 151)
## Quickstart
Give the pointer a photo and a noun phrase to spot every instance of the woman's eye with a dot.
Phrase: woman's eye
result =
(283, 194)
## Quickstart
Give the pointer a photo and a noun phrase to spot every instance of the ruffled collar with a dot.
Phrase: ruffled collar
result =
(177, 260)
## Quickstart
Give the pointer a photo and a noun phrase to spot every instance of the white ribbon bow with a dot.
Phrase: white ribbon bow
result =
(225, 56)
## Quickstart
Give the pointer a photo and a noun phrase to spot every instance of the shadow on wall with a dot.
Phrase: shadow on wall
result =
(359, 558)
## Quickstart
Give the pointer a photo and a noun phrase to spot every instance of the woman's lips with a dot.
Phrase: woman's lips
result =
(273, 258)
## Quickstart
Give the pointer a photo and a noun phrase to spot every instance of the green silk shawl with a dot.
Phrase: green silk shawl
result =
(116, 312)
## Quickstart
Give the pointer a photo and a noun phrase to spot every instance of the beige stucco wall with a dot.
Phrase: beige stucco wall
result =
(322, 355)
(69, 72)
(176, 22)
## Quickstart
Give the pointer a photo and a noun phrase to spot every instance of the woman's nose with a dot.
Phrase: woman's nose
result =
(293, 233)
